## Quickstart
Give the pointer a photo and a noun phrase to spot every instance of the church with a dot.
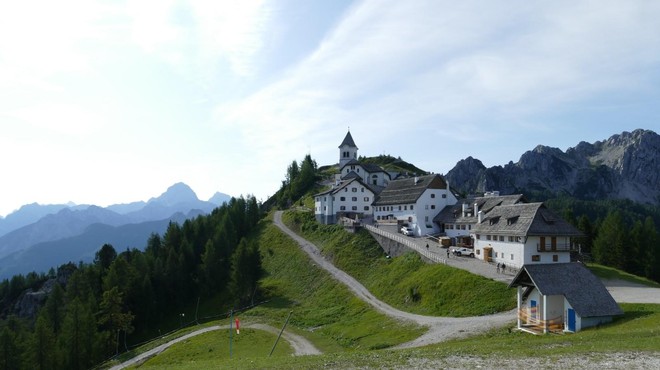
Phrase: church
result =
(367, 192)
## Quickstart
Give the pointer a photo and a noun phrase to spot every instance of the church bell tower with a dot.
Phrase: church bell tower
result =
(347, 150)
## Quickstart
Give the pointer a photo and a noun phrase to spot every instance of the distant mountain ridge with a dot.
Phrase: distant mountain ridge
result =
(625, 166)
(42, 256)
(35, 227)
(175, 199)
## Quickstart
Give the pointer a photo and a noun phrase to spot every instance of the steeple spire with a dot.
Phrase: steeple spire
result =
(347, 149)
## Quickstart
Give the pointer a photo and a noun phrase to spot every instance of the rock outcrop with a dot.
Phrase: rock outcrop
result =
(626, 166)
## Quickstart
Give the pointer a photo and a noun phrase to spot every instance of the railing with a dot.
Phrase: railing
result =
(408, 243)
(564, 247)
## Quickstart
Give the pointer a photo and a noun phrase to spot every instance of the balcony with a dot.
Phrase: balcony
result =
(559, 247)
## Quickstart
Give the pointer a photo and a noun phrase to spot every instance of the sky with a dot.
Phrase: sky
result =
(106, 102)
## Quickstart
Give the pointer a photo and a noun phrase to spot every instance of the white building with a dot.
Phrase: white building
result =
(522, 234)
(354, 188)
(457, 220)
(561, 297)
(350, 198)
(414, 202)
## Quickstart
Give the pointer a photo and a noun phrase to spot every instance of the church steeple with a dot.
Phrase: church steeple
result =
(347, 150)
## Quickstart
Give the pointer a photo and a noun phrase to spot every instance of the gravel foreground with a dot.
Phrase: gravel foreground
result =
(628, 360)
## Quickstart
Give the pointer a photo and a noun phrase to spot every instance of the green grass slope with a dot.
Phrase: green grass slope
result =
(323, 310)
(406, 282)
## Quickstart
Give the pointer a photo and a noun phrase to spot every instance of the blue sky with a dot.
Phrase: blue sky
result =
(113, 101)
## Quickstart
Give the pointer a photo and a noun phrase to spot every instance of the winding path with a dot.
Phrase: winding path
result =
(440, 328)
(301, 346)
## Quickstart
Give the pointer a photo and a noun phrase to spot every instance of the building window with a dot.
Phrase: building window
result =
(411, 207)
(405, 208)
(354, 190)
(536, 258)
(366, 208)
(342, 208)
(478, 237)
(366, 199)
(324, 208)
(511, 239)
(478, 252)
(511, 256)
(555, 258)
(426, 219)
(362, 190)
(487, 237)
(462, 227)
(342, 199)
(432, 206)
(502, 239)
(354, 208)
(333, 198)
(399, 208)
(354, 199)
(444, 195)
(345, 189)
(432, 195)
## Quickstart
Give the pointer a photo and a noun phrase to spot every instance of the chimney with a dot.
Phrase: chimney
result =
(476, 209)
(464, 209)
(416, 180)
(479, 216)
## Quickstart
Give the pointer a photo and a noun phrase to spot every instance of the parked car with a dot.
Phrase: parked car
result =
(462, 251)
(407, 231)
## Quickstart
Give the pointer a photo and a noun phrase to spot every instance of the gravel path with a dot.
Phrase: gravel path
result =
(440, 328)
(301, 346)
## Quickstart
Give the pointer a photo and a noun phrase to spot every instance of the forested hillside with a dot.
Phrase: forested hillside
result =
(90, 310)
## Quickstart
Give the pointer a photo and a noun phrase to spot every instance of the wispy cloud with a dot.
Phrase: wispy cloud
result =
(465, 67)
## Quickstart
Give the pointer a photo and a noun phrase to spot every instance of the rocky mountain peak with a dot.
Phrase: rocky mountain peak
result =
(626, 165)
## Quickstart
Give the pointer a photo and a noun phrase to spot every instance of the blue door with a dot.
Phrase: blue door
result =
(532, 305)
(571, 320)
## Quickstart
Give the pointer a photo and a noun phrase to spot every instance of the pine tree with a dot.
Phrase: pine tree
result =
(610, 245)
(42, 353)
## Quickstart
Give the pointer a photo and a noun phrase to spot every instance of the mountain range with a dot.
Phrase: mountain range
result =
(625, 166)
(37, 237)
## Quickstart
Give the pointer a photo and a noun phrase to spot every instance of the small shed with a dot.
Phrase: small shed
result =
(561, 297)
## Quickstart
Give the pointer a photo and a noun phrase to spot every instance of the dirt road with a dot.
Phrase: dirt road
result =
(440, 328)
(301, 346)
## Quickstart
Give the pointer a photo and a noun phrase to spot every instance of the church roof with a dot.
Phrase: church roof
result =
(582, 289)
(348, 141)
(408, 190)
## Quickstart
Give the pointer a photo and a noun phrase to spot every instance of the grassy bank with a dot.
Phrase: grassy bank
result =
(323, 310)
(611, 273)
(406, 282)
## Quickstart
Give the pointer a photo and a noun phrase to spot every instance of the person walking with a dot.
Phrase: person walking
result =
(503, 267)
(498, 267)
